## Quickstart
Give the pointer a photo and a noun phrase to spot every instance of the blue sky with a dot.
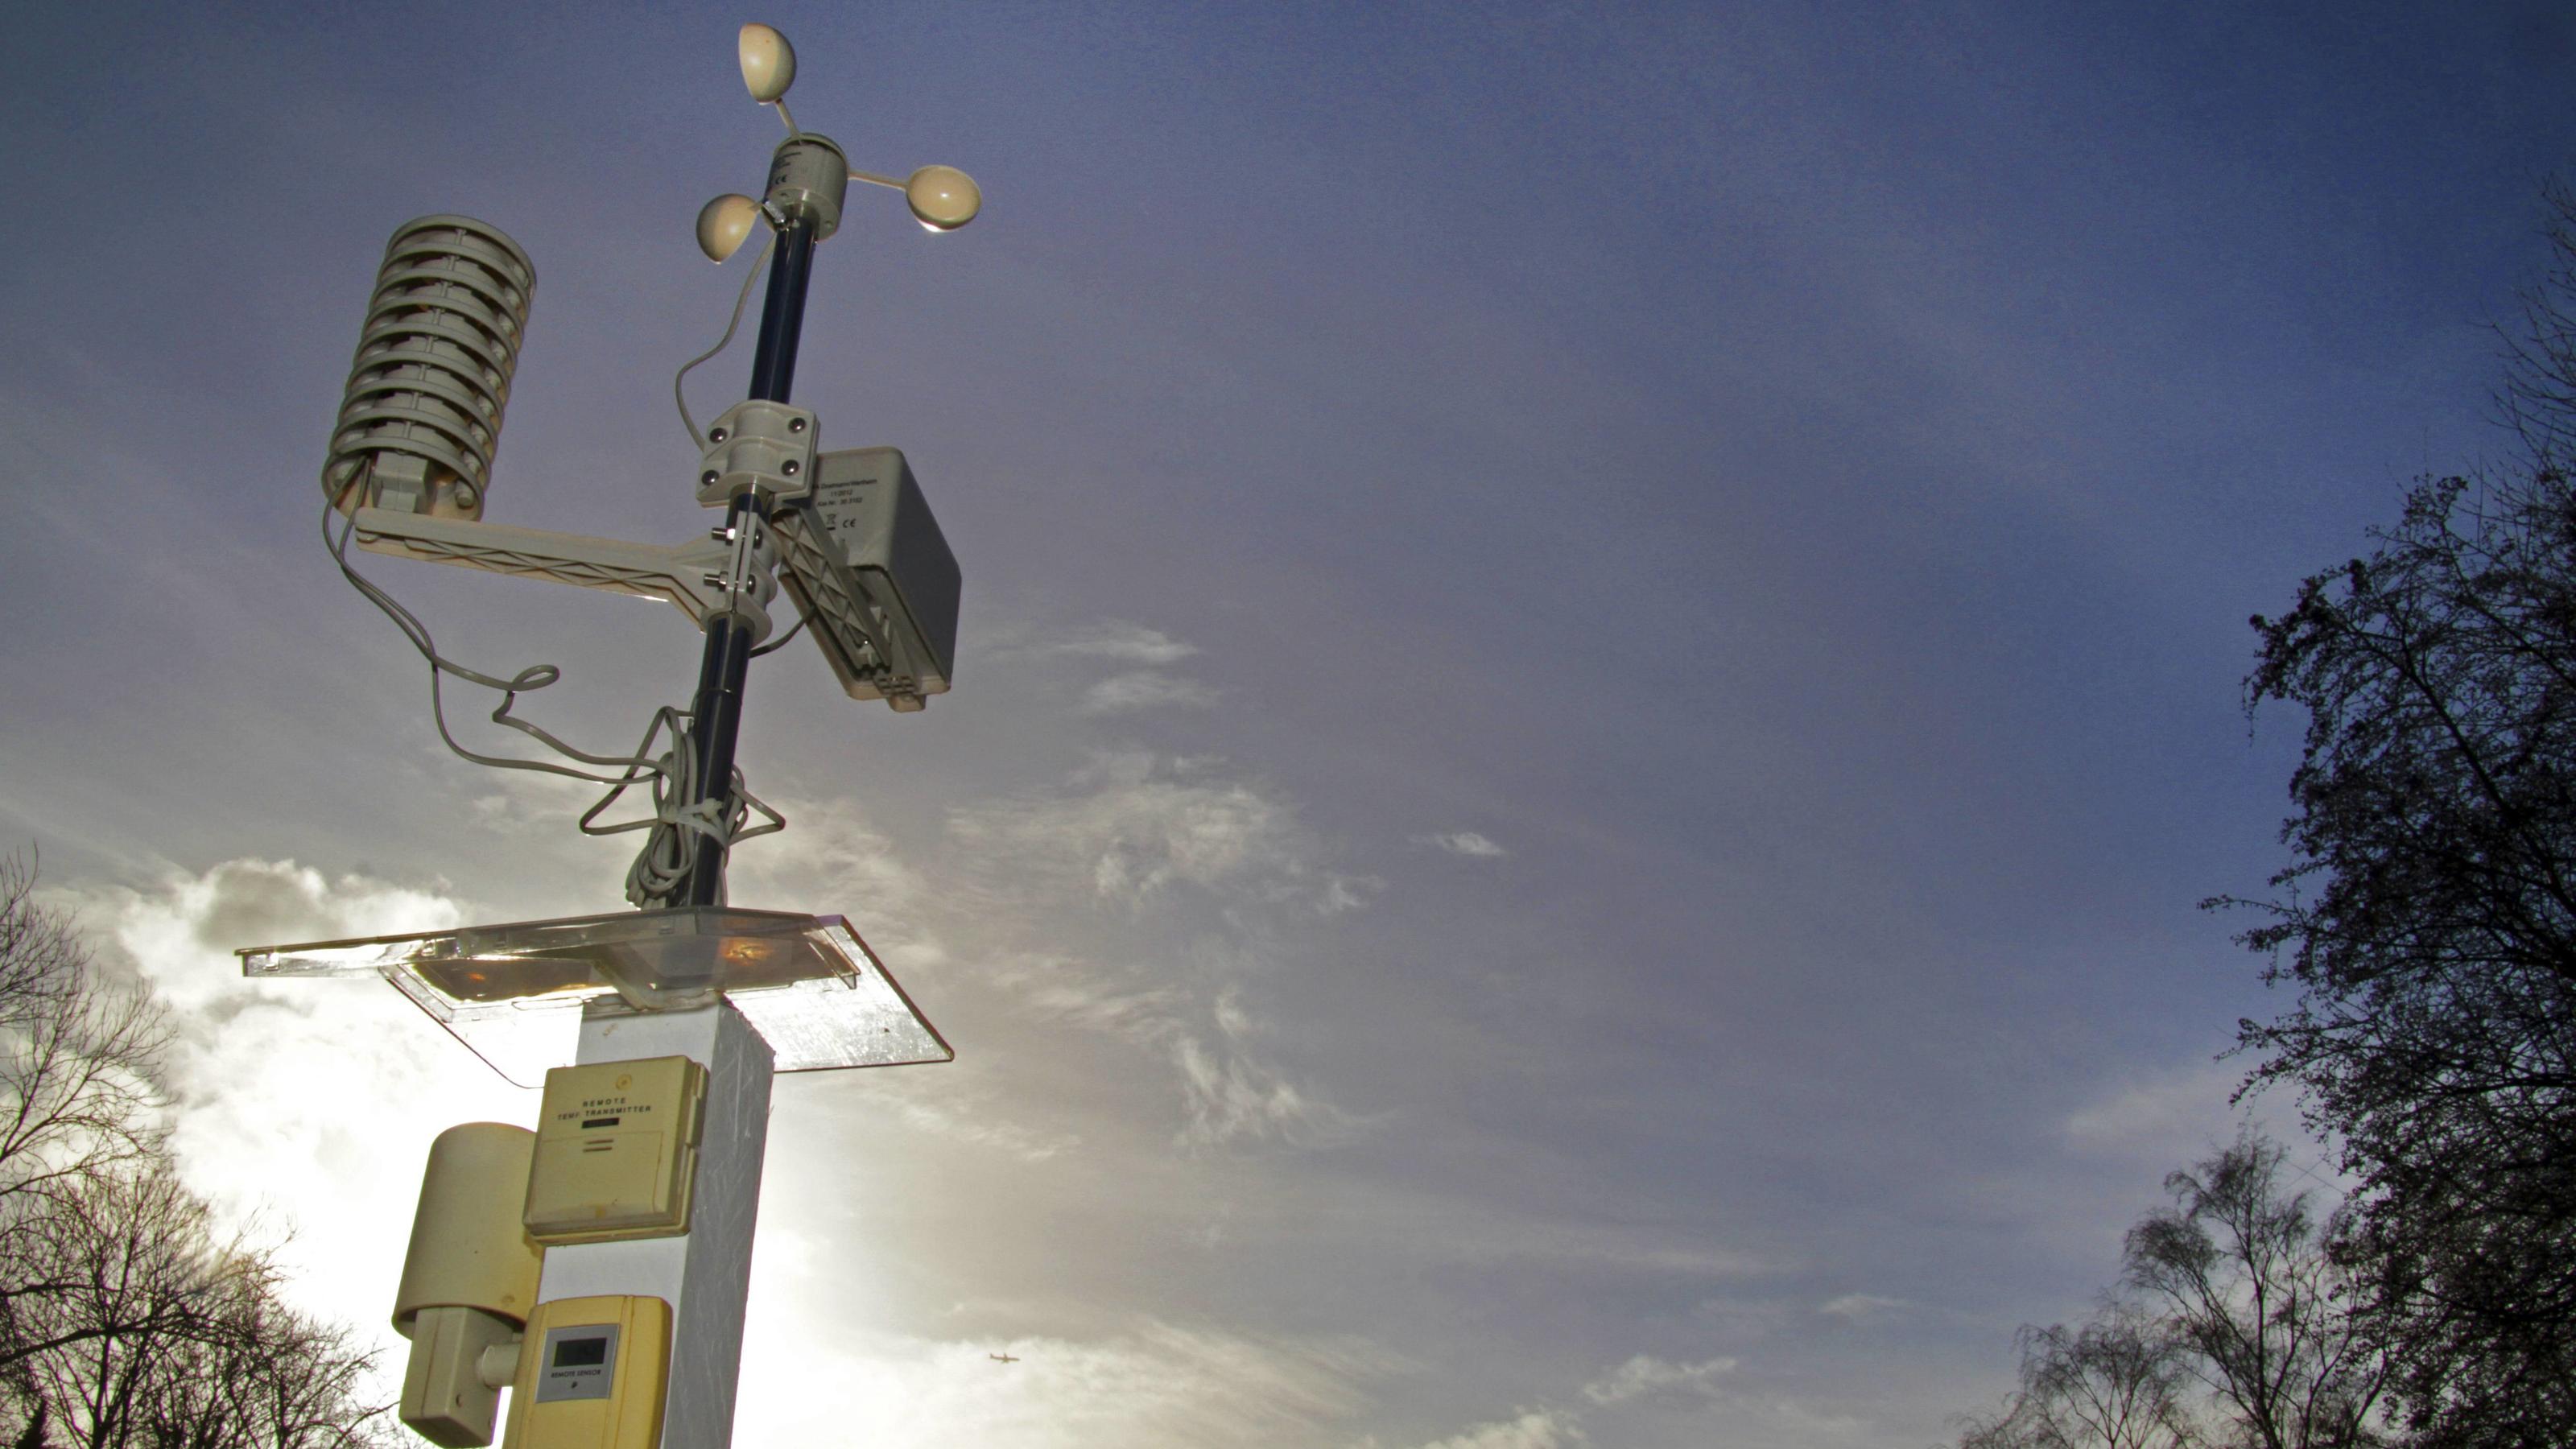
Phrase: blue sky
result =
(1599, 672)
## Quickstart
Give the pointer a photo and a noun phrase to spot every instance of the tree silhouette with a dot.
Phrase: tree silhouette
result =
(126, 1322)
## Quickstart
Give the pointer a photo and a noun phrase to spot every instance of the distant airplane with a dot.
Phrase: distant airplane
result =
(1002, 1358)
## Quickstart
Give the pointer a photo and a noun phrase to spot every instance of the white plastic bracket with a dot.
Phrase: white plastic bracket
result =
(759, 447)
(844, 618)
(750, 576)
(499, 1365)
(834, 550)
(677, 573)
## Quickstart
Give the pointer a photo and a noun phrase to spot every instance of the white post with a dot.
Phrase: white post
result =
(705, 1273)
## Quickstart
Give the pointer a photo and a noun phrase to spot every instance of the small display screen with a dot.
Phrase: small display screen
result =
(580, 1362)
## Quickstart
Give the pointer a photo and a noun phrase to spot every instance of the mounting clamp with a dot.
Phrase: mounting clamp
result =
(749, 578)
(759, 447)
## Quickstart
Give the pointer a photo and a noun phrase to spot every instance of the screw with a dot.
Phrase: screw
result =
(795, 425)
(715, 435)
(721, 535)
(707, 478)
(788, 467)
(464, 495)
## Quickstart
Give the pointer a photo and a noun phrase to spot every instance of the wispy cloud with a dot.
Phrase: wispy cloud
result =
(2174, 1106)
(939, 1107)
(529, 802)
(1858, 1308)
(832, 861)
(1532, 1429)
(1342, 893)
(1646, 1374)
(1133, 825)
(1477, 1231)
(1465, 842)
(1144, 689)
(1187, 880)
(1622, 1248)
(1117, 639)
(1061, 989)
(1160, 1386)
(1229, 1092)
(1232, 1095)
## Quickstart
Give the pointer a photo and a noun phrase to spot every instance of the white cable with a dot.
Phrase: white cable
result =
(662, 868)
(534, 677)
(736, 321)
(661, 871)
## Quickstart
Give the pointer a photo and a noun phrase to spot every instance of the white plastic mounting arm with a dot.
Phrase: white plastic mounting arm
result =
(674, 572)
(861, 558)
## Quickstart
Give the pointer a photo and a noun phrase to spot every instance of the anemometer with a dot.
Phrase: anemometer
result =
(597, 1267)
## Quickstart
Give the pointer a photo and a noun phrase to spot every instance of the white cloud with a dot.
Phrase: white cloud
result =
(935, 1104)
(1794, 1416)
(1708, 1391)
(1131, 643)
(1860, 1308)
(1201, 875)
(1230, 1095)
(339, 1168)
(1346, 893)
(1534, 1429)
(1618, 1248)
(1645, 1374)
(2181, 1104)
(538, 803)
(1159, 1386)
(1059, 989)
(2160, 1120)
(1143, 689)
(1133, 825)
(1228, 1092)
(1465, 842)
(831, 861)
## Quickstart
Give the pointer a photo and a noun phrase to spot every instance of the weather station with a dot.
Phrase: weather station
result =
(597, 1266)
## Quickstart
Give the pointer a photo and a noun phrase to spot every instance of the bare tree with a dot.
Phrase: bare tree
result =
(2119, 1382)
(126, 1322)
(2538, 399)
(77, 1102)
(2427, 916)
(77, 1057)
(2019, 1422)
(2238, 1272)
(161, 1337)
(2234, 1326)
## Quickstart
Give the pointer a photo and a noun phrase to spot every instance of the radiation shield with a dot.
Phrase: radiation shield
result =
(516, 994)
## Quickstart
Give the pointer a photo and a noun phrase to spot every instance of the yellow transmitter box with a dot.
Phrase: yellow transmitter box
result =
(617, 1151)
(591, 1375)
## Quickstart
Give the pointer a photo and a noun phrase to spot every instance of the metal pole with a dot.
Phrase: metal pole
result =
(716, 712)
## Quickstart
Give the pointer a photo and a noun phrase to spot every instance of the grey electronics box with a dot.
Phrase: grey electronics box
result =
(873, 517)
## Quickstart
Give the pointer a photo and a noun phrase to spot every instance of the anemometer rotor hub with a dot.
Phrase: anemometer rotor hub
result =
(808, 177)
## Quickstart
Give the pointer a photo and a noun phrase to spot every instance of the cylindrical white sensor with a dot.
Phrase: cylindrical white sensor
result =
(808, 177)
(468, 1247)
(422, 412)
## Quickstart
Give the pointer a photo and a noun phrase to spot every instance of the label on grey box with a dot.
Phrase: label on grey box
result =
(580, 1362)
